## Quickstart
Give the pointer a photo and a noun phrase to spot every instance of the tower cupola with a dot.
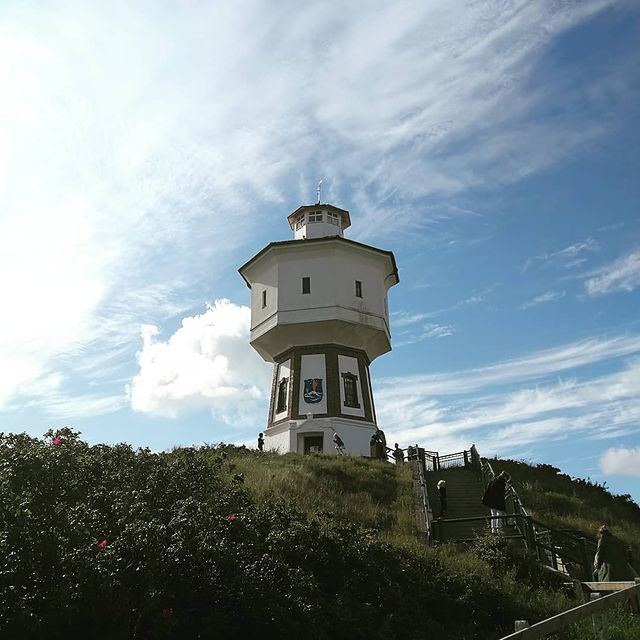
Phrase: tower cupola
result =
(318, 221)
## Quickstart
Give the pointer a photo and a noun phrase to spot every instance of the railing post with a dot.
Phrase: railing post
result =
(466, 458)
(440, 528)
(584, 557)
(599, 625)
(530, 536)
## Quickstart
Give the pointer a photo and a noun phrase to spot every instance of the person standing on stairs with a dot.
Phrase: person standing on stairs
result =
(495, 498)
(442, 495)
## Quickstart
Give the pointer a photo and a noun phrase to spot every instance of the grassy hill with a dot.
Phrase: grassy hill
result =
(574, 503)
(111, 542)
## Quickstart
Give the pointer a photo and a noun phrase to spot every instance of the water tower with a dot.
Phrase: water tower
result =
(319, 313)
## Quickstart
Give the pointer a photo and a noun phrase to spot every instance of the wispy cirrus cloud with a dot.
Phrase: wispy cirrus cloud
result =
(533, 366)
(406, 318)
(622, 274)
(426, 332)
(571, 256)
(549, 296)
(525, 412)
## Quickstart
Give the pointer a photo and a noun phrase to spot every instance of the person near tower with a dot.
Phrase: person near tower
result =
(398, 454)
(260, 442)
(339, 445)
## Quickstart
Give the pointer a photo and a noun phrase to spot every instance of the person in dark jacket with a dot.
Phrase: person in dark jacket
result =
(495, 498)
(260, 442)
(611, 562)
(398, 454)
(442, 495)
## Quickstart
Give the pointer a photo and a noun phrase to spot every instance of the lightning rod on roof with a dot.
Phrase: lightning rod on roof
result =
(318, 190)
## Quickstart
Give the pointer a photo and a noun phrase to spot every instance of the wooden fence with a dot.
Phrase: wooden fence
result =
(598, 604)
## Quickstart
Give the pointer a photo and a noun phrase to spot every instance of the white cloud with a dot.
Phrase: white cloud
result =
(621, 275)
(621, 461)
(549, 296)
(208, 363)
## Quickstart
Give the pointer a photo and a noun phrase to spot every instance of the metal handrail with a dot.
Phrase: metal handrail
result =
(558, 544)
(419, 460)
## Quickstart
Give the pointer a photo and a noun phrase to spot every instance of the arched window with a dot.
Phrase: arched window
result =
(350, 383)
(281, 405)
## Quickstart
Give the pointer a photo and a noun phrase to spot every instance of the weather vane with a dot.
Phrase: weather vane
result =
(318, 190)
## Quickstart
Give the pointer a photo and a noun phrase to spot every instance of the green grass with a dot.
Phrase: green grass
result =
(374, 495)
(378, 497)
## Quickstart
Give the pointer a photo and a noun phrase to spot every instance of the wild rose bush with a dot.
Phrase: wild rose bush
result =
(111, 542)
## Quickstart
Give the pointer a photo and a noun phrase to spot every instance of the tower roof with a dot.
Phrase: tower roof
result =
(275, 246)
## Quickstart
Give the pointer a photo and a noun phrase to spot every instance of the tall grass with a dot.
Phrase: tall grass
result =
(378, 497)
(372, 494)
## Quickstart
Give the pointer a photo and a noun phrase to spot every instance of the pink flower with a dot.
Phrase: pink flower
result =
(56, 441)
(103, 544)
(231, 518)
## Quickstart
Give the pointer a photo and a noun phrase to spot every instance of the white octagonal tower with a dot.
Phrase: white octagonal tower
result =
(319, 312)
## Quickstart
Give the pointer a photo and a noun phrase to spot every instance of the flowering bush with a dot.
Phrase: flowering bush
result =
(110, 542)
(113, 542)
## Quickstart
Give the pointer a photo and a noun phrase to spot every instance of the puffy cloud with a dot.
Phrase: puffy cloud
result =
(621, 275)
(207, 362)
(621, 461)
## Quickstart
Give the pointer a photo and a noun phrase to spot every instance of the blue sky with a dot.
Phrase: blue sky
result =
(147, 151)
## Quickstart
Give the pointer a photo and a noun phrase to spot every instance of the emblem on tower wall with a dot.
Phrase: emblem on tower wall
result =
(313, 390)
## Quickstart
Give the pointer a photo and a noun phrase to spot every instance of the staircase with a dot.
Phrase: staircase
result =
(466, 474)
(464, 500)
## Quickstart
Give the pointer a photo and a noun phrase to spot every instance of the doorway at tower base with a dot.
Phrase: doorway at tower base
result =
(315, 435)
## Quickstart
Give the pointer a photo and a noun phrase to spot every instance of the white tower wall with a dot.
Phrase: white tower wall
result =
(319, 312)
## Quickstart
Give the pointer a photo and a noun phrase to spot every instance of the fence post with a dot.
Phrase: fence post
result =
(466, 459)
(599, 626)
(519, 625)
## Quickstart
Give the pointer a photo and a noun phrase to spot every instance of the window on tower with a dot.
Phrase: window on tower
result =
(350, 383)
(306, 285)
(315, 216)
(264, 298)
(300, 222)
(281, 405)
(358, 289)
(332, 218)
